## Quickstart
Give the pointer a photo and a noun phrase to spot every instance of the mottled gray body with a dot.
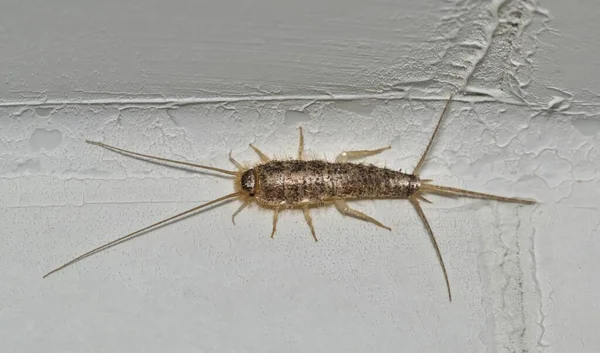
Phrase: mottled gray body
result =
(297, 182)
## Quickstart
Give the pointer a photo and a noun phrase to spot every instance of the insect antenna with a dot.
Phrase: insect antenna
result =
(131, 153)
(139, 232)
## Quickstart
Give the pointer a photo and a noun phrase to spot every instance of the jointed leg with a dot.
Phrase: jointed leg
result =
(236, 163)
(301, 145)
(344, 156)
(343, 207)
(242, 206)
(275, 218)
(309, 221)
(263, 157)
(419, 210)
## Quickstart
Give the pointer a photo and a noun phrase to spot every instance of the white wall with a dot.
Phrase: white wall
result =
(195, 79)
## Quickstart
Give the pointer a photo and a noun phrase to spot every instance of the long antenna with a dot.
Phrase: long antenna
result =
(138, 233)
(120, 150)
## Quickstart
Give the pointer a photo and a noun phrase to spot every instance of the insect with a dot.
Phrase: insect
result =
(302, 184)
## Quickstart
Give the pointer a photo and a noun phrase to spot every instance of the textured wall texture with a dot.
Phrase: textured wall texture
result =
(192, 80)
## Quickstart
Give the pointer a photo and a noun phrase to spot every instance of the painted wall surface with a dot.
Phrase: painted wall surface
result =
(192, 80)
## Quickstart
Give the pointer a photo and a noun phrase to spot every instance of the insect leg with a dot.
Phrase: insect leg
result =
(344, 156)
(236, 163)
(275, 218)
(301, 145)
(263, 157)
(242, 206)
(343, 207)
(309, 221)
(419, 210)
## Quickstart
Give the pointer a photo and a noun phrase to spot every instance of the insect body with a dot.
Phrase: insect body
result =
(298, 182)
(302, 184)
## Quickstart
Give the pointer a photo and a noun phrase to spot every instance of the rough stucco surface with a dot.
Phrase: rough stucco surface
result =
(195, 80)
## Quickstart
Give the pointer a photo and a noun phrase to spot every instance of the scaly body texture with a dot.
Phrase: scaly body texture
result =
(308, 183)
(295, 183)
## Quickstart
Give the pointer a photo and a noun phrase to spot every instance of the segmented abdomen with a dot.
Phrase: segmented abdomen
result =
(294, 182)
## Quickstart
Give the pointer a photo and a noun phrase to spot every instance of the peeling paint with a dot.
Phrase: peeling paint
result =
(293, 117)
(587, 126)
(43, 111)
(45, 139)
